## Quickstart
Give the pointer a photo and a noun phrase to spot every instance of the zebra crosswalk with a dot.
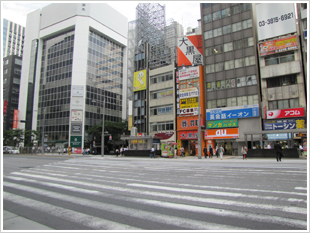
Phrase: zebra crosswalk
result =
(101, 194)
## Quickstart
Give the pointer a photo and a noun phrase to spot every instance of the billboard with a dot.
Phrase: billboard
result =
(233, 112)
(222, 133)
(275, 19)
(189, 123)
(15, 118)
(187, 135)
(222, 124)
(187, 73)
(139, 80)
(189, 92)
(5, 106)
(284, 124)
(76, 115)
(189, 103)
(285, 113)
(278, 45)
(190, 50)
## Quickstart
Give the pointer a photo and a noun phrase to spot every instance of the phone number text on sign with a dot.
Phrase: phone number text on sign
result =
(276, 19)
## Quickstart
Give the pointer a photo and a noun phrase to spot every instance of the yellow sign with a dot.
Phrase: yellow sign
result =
(139, 80)
(189, 103)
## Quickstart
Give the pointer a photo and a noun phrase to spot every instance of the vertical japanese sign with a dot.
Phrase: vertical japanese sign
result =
(190, 50)
(5, 106)
(15, 118)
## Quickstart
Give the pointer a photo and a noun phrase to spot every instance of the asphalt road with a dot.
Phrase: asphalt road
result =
(109, 193)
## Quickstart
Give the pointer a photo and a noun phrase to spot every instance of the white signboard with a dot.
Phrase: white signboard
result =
(77, 90)
(275, 19)
(77, 102)
(188, 93)
(76, 115)
(188, 73)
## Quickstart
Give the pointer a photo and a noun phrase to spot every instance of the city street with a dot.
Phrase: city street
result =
(121, 193)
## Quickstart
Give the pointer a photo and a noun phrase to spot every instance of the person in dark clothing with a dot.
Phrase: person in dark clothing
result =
(205, 151)
(210, 152)
(278, 149)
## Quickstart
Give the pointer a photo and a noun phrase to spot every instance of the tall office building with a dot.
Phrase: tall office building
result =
(302, 10)
(74, 70)
(231, 74)
(13, 38)
(11, 81)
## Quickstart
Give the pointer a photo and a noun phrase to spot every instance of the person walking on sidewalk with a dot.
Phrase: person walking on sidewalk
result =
(244, 151)
(221, 151)
(210, 152)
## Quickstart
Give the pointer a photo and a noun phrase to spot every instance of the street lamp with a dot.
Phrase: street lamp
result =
(199, 126)
(102, 132)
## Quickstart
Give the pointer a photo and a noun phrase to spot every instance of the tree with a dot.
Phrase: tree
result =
(30, 135)
(13, 137)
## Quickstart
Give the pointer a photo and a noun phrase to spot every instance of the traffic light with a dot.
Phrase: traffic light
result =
(110, 137)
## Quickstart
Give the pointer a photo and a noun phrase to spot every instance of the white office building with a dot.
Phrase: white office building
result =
(74, 63)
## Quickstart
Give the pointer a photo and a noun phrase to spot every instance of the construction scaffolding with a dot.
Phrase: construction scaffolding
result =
(151, 28)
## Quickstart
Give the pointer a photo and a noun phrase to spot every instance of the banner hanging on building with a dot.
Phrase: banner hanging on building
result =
(190, 50)
(233, 112)
(139, 80)
(15, 118)
(222, 124)
(278, 45)
(5, 106)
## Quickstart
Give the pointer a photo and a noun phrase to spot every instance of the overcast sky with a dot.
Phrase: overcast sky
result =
(185, 12)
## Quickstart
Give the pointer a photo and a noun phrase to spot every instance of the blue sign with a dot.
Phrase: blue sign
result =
(233, 112)
(278, 136)
(284, 124)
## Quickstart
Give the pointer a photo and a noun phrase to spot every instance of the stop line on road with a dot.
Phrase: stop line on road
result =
(93, 185)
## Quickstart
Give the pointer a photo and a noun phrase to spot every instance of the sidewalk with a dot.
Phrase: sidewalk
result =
(14, 222)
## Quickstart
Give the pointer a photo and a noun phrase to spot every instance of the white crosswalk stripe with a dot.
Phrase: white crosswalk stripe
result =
(123, 190)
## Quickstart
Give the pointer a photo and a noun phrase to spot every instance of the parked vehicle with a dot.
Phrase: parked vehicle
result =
(10, 150)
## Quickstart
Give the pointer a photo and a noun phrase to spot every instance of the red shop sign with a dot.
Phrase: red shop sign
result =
(285, 113)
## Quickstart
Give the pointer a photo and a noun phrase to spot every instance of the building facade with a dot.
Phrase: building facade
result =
(13, 38)
(75, 62)
(231, 74)
(283, 81)
(11, 81)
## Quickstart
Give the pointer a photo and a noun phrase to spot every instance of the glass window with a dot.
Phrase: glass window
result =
(207, 18)
(229, 65)
(241, 82)
(18, 61)
(226, 29)
(239, 63)
(225, 12)
(282, 104)
(209, 51)
(209, 68)
(218, 49)
(208, 34)
(238, 44)
(228, 47)
(6, 62)
(16, 80)
(249, 61)
(245, 6)
(247, 23)
(248, 42)
(217, 32)
(235, 9)
(211, 104)
(294, 103)
(219, 66)
(211, 86)
(236, 27)
(217, 15)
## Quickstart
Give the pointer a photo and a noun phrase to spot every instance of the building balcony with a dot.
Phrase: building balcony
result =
(287, 68)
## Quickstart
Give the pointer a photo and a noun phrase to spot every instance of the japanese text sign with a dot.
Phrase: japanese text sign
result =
(278, 45)
(187, 135)
(189, 103)
(187, 73)
(233, 112)
(189, 92)
(190, 50)
(284, 124)
(222, 124)
(286, 113)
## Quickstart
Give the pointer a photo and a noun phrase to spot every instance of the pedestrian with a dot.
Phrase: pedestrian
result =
(278, 149)
(244, 151)
(210, 152)
(117, 152)
(182, 152)
(217, 151)
(221, 151)
(58, 150)
(152, 152)
(269, 146)
(301, 148)
(205, 151)
(122, 151)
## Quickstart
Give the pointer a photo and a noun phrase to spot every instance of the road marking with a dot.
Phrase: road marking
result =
(145, 215)
(66, 214)
(301, 188)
